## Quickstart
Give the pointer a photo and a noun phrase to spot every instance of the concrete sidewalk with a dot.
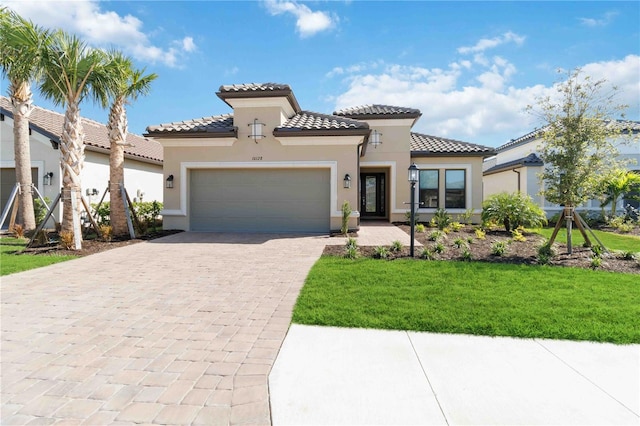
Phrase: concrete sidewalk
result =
(334, 376)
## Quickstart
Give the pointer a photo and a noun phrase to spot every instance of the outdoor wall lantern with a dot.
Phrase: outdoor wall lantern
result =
(169, 182)
(413, 179)
(256, 130)
(347, 181)
(376, 138)
(47, 178)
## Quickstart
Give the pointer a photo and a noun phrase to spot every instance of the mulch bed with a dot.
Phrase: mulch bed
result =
(92, 246)
(517, 252)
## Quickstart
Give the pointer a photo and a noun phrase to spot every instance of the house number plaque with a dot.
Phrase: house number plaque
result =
(257, 158)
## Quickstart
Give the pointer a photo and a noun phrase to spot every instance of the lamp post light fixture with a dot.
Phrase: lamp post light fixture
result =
(169, 182)
(375, 139)
(413, 179)
(47, 178)
(256, 130)
(347, 181)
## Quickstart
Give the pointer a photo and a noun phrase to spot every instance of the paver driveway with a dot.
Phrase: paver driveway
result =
(179, 330)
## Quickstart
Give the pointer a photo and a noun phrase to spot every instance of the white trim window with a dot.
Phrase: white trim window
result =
(429, 188)
(444, 188)
(455, 189)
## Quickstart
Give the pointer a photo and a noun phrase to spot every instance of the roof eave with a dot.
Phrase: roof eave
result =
(451, 154)
(415, 116)
(317, 132)
(187, 134)
(259, 94)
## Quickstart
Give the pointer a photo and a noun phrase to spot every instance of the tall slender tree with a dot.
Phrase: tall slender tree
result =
(73, 71)
(128, 84)
(21, 43)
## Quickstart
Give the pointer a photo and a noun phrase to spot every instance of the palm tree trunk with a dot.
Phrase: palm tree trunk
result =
(117, 127)
(22, 101)
(72, 162)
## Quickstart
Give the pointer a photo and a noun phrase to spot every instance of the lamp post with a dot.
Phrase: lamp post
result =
(413, 179)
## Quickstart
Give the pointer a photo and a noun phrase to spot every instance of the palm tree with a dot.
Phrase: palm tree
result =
(620, 183)
(128, 84)
(20, 44)
(72, 72)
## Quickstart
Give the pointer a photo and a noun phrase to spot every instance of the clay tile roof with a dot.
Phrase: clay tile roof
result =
(425, 145)
(258, 90)
(307, 120)
(379, 111)
(622, 125)
(254, 87)
(96, 138)
(314, 124)
(531, 160)
(217, 125)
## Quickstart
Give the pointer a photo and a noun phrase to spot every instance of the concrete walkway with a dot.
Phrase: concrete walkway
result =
(332, 376)
(179, 330)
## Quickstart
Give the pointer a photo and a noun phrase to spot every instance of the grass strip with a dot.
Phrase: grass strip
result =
(472, 298)
(11, 261)
(610, 240)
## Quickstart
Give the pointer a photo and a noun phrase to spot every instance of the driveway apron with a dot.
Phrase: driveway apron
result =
(179, 330)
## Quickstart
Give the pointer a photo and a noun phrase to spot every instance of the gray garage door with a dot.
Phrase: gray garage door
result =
(267, 200)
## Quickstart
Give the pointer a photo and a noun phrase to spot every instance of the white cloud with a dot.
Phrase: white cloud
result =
(605, 20)
(490, 43)
(308, 22)
(489, 112)
(188, 45)
(103, 28)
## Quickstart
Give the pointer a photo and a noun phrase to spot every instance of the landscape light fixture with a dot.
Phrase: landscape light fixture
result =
(169, 182)
(347, 181)
(414, 172)
(256, 130)
(47, 179)
(376, 138)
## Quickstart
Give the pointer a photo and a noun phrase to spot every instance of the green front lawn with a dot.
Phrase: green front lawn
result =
(11, 261)
(473, 298)
(610, 240)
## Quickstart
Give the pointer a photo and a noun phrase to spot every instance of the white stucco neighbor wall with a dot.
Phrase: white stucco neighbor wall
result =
(139, 175)
(629, 149)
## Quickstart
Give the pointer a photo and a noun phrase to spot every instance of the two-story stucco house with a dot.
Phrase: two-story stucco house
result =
(517, 166)
(143, 158)
(270, 166)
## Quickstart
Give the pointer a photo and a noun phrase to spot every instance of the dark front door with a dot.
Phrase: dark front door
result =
(372, 195)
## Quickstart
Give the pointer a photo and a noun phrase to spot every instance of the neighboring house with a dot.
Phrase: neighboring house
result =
(517, 165)
(143, 159)
(272, 167)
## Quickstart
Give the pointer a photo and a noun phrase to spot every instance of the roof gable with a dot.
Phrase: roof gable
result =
(50, 123)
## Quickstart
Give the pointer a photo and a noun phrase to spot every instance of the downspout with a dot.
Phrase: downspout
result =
(516, 171)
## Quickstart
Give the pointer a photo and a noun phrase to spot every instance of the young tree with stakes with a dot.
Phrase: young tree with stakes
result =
(578, 142)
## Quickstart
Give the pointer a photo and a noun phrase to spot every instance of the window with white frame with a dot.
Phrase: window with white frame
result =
(429, 188)
(455, 189)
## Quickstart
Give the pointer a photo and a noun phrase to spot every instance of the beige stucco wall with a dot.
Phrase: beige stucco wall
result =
(392, 155)
(339, 155)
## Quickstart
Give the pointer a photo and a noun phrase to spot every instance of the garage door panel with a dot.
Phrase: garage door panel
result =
(265, 200)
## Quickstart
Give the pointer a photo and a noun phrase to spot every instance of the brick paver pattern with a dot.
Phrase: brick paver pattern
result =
(180, 330)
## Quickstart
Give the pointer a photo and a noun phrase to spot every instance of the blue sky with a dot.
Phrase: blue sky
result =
(470, 67)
